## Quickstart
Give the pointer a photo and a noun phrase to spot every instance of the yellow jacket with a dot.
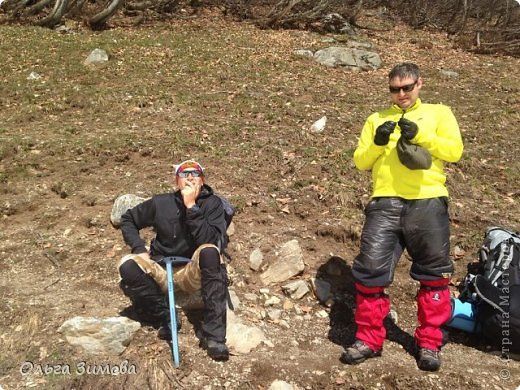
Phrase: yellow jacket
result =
(438, 133)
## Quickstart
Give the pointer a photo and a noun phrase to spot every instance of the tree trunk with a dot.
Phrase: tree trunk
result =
(55, 15)
(99, 20)
(37, 7)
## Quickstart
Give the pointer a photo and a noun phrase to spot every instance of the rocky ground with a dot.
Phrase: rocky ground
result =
(75, 137)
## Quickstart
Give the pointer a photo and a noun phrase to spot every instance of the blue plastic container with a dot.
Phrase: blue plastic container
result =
(463, 316)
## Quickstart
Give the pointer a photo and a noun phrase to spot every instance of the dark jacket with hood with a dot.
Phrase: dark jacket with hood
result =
(179, 231)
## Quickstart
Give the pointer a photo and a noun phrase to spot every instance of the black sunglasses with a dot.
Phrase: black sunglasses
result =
(405, 88)
(185, 174)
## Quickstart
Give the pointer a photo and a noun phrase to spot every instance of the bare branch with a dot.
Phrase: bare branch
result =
(55, 15)
(99, 20)
(37, 7)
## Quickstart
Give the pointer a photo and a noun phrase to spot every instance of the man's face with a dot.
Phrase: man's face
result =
(404, 92)
(191, 177)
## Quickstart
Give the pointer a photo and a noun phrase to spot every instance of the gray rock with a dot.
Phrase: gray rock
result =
(289, 263)
(319, 125)
(281, 385)
(121, 205)
(274, 314)
(235, 300)
(100, 336)
(64, 30)
(297, 289)
(348, 57)
(284, 324)
(241, 339)
(256, 260)
(96, 56)
(322, 289)
(251, 297)
(449, 73)
(322, 314)
(34, 76)
(272, 301)
(304, 53)
(231, 229)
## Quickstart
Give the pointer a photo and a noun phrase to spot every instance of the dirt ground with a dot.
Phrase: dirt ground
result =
(239, 100)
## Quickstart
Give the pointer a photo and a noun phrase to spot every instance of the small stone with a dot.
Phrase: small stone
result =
(256, 260)
(287, 305)
(274, 300)
(96, 56)
(250, 297)
(33, 75)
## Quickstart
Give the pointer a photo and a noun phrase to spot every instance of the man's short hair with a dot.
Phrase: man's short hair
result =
(405, 70)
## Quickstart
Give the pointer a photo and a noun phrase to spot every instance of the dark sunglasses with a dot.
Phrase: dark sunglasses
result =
(405, 88)
(185, 174)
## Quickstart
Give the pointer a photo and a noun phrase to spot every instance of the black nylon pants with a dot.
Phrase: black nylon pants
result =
(145, 294)
(393, 224)
(214, 284)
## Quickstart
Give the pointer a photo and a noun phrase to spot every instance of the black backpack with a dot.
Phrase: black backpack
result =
(229, 213)
(229, 210)
(493, 285)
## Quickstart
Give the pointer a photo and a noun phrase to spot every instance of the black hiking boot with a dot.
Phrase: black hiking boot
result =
(428, 359)
(165, 331)
(358, 353)
(216, 351)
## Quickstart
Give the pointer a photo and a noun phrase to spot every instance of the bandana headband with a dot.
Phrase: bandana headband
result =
(188, 165)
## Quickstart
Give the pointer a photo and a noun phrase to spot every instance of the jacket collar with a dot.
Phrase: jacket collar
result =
(414, 107)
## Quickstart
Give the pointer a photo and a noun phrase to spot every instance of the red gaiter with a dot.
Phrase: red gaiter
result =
(372, 306)
(433, 310)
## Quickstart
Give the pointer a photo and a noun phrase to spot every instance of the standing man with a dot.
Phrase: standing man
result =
(405, 147)
(189, 222)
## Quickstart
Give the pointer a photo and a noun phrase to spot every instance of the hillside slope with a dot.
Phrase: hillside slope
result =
(239, 100)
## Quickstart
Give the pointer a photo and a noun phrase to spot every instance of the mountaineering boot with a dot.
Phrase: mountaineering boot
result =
(372, 306)
(145, 294)
(358, 353)
(428, 359)
(216, 350)
(214, 283)
(165, 331)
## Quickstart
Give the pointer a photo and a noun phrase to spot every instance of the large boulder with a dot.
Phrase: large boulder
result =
(289, 263)
(356, 59)
(121, 205)
(100, 336)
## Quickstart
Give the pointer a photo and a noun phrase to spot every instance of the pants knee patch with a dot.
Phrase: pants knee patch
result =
(130, 272)
(209, 258)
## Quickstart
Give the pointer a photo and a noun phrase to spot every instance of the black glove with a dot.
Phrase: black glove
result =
(408, 128)
(383, 133)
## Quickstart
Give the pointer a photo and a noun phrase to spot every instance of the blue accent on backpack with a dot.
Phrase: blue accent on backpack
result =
(463, 316)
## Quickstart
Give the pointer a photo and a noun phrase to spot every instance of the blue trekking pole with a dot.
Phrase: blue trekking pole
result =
(171, 299)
